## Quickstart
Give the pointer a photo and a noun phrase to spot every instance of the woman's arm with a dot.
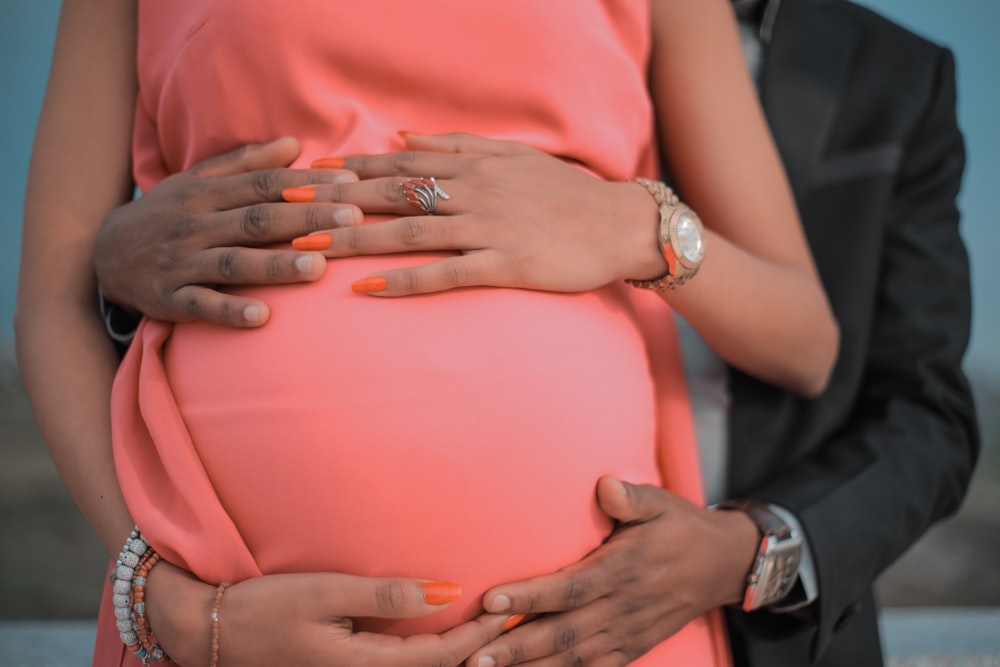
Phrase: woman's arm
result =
(79, 170)
(757, 299)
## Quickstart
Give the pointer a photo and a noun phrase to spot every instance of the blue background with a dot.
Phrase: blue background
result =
(969, 27)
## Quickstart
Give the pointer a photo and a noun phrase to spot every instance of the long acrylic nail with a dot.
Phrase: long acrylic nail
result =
(320, 241)
(299, 194)
(441, 592)
(373, 284)
(513, 621)
(403, 133)
(328, 163)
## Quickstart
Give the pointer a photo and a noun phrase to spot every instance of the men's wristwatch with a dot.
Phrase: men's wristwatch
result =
(776, 567)
(681, 237)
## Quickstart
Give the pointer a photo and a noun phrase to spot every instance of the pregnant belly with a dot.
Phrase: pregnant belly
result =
(450, 437)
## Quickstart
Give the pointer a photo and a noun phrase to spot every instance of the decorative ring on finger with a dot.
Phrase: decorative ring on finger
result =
(423, 193)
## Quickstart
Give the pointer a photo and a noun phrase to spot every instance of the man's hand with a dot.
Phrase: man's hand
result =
(161, 254)
(666, 562)
(305, 619)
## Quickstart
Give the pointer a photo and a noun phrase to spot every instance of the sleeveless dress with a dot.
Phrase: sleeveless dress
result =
(455, 436)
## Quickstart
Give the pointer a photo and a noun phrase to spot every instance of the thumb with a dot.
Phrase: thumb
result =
(251, 157)
(626, 502)
(463, 142)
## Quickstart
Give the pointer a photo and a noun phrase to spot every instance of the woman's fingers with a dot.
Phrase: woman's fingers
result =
(450, 648)
(473, 269)
(463, 142)
(379, 597)
(400, 195)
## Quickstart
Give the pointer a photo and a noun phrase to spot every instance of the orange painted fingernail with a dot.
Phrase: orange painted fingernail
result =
(513, 621)
(328, 163)
(299, 194)
(373, 284)
(403, 133)
(313, 242)
(441, 592)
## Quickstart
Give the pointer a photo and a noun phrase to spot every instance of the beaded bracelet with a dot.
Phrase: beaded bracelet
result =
(213, 660)
(128, 579)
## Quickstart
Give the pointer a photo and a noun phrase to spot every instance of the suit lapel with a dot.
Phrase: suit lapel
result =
(806, 65)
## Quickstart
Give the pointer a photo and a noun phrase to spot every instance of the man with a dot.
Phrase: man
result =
(863, 113)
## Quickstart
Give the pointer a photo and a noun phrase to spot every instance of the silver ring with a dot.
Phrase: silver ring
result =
(423, 193)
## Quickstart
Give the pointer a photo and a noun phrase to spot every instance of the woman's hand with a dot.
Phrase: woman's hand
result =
(161, 253)
(305, 619)
(666, 562)
(519, 217)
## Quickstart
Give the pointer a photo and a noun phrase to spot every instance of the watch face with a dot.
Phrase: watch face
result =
(690, 239)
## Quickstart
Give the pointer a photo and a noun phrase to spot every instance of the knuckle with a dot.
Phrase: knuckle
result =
(187, 189)
(256, 222)
(192, 307)
(573, 659)
(274, 266)
(516, 653)
(226, 265)
(457, 274)
(402, 161)
(265, 183)
(354, 239)
(410, 280)
(182, 229)
(565, 638)
(574, 594)
(412, 231)
(390, 189)
(311, 219)
(391, 596)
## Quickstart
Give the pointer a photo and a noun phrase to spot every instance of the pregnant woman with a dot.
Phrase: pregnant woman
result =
(454, 436)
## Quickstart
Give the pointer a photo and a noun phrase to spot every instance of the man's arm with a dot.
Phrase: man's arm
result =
(905, 456)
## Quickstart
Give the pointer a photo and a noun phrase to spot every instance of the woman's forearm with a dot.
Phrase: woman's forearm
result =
(67, 364)
(757, 299)
(80, 169)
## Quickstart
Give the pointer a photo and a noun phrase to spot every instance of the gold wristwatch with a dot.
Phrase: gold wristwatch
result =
(681, 238)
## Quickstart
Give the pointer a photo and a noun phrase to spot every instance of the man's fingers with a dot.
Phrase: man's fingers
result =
(262, 224)
(195, 302)
(570, 588)
(560, 636)
(254, 266)
(629, 503)
(268, 184)
(278, 153)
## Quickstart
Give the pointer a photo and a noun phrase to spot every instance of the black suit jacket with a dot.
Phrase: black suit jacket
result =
(863, 113)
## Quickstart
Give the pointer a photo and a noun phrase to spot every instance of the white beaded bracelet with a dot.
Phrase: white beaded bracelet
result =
(128, 575)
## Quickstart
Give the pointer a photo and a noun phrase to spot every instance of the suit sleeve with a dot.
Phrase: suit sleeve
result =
(906, 453)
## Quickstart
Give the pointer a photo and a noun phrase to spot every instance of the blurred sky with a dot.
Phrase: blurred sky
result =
(967, 26)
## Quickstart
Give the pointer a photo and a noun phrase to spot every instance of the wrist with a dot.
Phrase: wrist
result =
(737, 552)
(178, 607)
(642, 256)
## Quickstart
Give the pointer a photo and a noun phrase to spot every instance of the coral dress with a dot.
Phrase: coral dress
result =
(455, 436)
